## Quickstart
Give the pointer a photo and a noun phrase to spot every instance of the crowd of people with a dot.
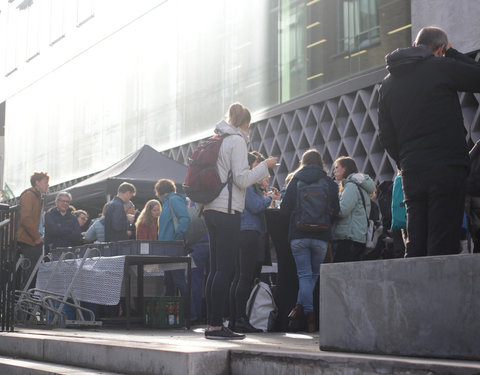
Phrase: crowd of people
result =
(420, 126)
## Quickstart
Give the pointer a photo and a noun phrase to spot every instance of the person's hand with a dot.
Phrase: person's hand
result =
(276, 194)
(39, 240)
(131, 218)
(271, 162)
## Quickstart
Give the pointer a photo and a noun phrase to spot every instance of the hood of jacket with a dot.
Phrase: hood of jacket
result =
(404, 59)
(310, 173)
(172, 194)
(224, 127)
(362, 180)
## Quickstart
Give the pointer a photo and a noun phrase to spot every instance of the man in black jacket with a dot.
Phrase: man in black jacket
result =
(421, 127)
(117, 223)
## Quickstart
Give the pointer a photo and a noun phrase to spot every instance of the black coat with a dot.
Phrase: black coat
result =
(419, 117)
(61, 230)
(116, 221)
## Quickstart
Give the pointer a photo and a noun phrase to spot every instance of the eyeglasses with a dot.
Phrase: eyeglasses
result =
(64, 201)
(83, 218)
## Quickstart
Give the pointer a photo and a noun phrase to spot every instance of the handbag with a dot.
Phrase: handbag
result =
(399, 212)
(374, 230)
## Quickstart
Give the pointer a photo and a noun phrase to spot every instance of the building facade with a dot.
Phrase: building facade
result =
(83, 83)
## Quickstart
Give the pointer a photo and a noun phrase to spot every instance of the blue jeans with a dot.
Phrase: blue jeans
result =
(309, 253)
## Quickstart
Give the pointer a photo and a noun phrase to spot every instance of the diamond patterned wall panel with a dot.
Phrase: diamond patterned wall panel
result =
(346, 125)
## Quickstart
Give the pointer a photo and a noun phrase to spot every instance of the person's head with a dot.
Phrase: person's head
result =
(255, 158)
(129, 208)
(126, 191)
(163, 187)
(343, 167)
(62, 200)
(82, 217)
(150, 212)
(311, 157)
(104, 208)
(239, 116)
(434, 38)
(39, 181)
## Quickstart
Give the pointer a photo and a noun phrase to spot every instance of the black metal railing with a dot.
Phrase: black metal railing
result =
(8, 244)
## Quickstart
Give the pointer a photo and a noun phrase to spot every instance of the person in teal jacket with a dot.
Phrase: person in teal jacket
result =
(172, 225)
(350, 227)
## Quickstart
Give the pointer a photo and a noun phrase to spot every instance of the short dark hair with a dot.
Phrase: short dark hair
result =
(433, 37)
(164, 186)
(38, 176)
(126, 186)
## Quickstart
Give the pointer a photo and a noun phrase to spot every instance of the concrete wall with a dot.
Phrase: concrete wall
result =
(427, 307)
(459, 19)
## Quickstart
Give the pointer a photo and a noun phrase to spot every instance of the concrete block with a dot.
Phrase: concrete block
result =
(427, 307)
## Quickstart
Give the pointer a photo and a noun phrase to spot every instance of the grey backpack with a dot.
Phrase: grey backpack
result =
(262, 311)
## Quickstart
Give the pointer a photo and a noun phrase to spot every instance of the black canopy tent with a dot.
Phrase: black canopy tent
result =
(143, 168)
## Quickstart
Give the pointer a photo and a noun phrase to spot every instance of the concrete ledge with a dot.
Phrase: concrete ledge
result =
(427, 307)
(140, 358)
(323, 363)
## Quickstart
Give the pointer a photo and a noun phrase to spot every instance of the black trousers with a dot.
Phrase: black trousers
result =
(31, 255)
(347, 251)
(435, 202)
(245, 269)
(224, 233)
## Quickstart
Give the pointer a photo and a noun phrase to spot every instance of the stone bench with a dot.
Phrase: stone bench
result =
(427, 307)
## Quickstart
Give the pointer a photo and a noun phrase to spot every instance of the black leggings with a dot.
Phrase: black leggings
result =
(245, 270)
(224, 232)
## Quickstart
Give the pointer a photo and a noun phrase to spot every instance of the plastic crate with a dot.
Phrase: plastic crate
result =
(77, 251)
(167, 248)
(164, 312)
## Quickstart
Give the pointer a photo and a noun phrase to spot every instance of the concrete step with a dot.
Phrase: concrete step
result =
(188, 353)
(16, 366)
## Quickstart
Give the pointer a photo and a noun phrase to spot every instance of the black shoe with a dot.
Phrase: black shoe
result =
(242, 325)
(223, 334)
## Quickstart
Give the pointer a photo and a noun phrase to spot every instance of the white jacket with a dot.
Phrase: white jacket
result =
(233, 156)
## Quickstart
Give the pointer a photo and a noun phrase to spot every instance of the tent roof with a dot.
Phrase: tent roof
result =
(143, 168)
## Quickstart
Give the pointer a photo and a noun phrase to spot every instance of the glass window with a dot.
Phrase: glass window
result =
(57, 19)
(163, 73)
(33, 30)
(84, 11)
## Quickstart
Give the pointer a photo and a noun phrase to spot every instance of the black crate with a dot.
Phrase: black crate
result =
(76, 252)
(167, 248)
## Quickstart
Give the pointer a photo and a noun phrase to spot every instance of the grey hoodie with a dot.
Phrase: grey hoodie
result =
(233, 156)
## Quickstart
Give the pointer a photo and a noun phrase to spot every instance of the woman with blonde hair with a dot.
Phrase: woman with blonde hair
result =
(147, 222)
(222, 215)
(350, 227)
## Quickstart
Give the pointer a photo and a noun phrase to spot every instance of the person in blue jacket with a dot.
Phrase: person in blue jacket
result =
(252, 227)
(172, 225)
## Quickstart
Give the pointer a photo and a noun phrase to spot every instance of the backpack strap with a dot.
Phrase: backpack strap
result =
(363, 201)
(230, 188)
